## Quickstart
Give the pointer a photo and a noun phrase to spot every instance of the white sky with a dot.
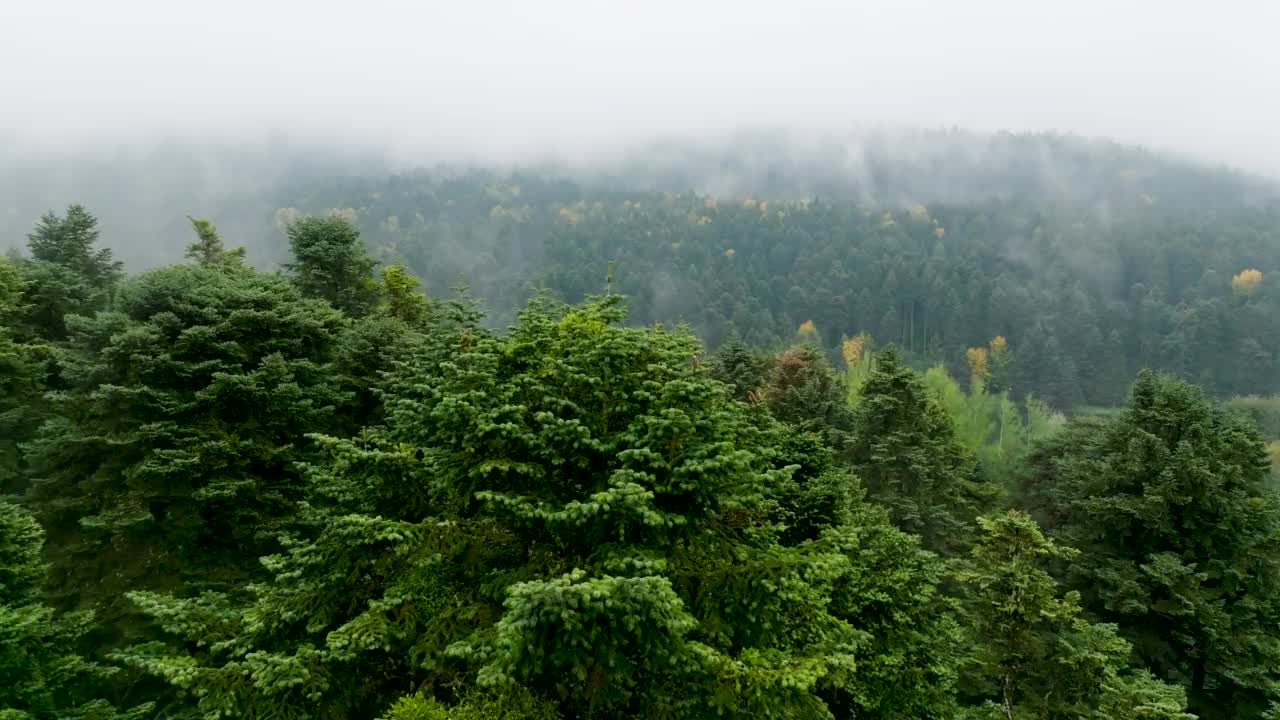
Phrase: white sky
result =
(502, 77)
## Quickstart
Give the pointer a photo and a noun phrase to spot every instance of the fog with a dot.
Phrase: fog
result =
(512, 80)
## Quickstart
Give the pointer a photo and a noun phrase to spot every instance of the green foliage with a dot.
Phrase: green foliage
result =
(905, 666)
(68, 242)
(1167, 501)
(1264, 411)
(905, 450)
(739, 367)
(172, 446)
(400, 296)
(513, 704)
(208, 250)
(605, 544)
(43, 677)
(328, 496)
(1033, 653)
(21, 379)
(990, 425)
(330, 263)
(859, 362)
(801, 389)
(560, 634)
(1083, 301)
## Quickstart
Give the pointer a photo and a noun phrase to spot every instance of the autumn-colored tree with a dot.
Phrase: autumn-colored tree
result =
(979, 369)
(1246, 281)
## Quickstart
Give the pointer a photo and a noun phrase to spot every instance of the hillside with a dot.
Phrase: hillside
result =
(1093, 259)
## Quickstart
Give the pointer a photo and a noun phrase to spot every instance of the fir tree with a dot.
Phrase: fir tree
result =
(208, 249)
(1033, 652)
(905, 451)
(173, 445)
(68, 242)
(41, 676)
(1180, 541)
(573, 509)
(330, 263)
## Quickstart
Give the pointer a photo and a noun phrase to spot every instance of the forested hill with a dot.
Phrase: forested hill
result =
(1092, 259)
(1085, 292)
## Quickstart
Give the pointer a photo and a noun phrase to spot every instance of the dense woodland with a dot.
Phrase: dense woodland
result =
(986, 458)
(1092, 260)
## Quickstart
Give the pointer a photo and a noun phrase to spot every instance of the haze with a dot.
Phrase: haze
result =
(502, 79)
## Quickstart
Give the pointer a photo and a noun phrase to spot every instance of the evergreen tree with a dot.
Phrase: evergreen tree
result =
(739, 367)
(208, 249)
(330, 263)
(66, 275)
(1033, 652)
(20, 382)
(905, 665)
(905, 451)
(401, 298)
(50, 294)
(68, 242)
(802, 389)
(1180, 541)
(41, 676)
(573, 509)
(173, 446)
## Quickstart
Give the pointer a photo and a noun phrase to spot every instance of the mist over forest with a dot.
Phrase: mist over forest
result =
(711, 361)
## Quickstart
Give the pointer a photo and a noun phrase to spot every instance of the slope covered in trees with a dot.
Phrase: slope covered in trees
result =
(1091, 259)
(321, 493)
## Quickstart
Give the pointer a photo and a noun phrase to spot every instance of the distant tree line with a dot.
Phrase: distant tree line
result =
(1084, 296)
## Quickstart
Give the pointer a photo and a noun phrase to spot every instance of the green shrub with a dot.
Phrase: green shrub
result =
(513, 704)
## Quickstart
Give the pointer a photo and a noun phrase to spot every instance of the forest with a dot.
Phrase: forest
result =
(559, 444)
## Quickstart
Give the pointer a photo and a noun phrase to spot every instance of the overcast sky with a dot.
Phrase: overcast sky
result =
(503, 77)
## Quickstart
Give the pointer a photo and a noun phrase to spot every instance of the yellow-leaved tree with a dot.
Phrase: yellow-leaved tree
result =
(1246, 281)
(979, 369)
